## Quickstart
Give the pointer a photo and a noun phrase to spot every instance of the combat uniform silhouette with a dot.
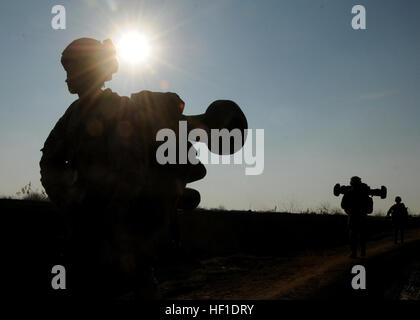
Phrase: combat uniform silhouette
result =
(98, 165)
(399, 214)
(357, 204)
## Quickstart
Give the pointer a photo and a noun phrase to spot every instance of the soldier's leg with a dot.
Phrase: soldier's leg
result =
(353, 242)
(145, 282)
(402, 233)
(363, 241)
(396, 234)
(363, 235)
(352, 236)
(99, 276)
(141, 228)
(82, 281)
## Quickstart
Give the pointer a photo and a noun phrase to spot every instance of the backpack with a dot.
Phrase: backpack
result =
(357, 201)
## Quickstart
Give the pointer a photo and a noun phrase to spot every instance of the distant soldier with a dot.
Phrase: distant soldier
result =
(99, 166)
(399, 214)
(357, 204)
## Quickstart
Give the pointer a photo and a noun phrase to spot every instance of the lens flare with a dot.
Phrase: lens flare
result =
(133, 48)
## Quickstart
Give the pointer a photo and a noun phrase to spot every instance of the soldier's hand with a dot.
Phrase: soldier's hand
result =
(70, 193)
(69, 177)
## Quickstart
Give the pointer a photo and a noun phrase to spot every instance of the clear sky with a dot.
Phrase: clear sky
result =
(333, 101)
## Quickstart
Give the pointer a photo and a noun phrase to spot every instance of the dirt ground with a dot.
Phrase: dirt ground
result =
(284, 256)
(321, 274)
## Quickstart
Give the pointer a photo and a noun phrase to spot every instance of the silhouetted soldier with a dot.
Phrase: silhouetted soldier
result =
(99, 166)
(357, 204)
(399, 215)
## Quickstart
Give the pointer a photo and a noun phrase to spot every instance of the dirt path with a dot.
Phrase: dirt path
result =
(316, 274)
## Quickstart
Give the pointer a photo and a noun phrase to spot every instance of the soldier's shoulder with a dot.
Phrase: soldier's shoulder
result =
(73, 106)
(155, 95)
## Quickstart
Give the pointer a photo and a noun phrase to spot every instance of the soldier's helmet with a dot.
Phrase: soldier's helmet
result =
(89, 63)
(398, 199)
(355, 181)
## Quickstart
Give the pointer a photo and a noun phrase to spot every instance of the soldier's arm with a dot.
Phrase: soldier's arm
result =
(54, 162)
(390, 211)
(344, 205)
(405, 210)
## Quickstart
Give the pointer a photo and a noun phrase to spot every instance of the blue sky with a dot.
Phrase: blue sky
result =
(334, 102)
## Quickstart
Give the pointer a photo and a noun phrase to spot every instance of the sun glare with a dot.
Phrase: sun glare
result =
(133, 48)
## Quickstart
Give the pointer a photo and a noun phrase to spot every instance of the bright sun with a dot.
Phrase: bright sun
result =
(133, 48)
